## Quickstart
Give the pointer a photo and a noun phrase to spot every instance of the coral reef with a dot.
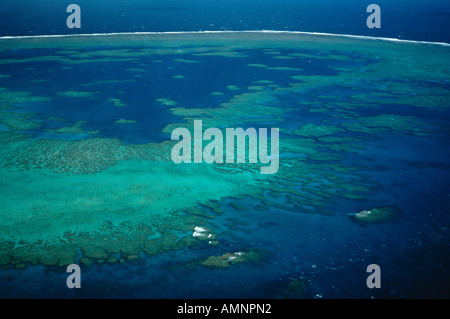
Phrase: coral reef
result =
(124, 121)
(166, 101)
(228, 259)
(295, 288)
(114, 202)
(377, 215)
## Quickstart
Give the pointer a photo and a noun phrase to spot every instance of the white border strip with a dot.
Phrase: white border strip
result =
(228, 31)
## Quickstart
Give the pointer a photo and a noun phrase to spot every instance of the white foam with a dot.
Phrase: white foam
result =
(197, 234)
(199, 229)
(228, 31)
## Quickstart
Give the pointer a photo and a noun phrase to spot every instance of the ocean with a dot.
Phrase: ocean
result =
(402, 19)
(89, 176)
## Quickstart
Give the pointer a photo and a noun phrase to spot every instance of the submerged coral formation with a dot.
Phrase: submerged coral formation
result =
(228, 259)
(166, 101)
(124, 121)
(295, 288)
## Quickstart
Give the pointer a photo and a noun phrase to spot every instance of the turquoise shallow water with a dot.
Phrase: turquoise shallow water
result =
(87, 176)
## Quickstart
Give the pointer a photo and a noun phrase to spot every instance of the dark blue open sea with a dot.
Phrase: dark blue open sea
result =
(88, 176)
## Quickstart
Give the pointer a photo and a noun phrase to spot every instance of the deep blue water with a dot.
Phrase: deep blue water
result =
(425, 20)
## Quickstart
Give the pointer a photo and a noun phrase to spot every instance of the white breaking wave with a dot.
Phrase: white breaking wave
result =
(198, 229)
(228, 31)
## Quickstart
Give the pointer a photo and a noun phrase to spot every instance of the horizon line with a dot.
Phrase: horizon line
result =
(227, 31)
